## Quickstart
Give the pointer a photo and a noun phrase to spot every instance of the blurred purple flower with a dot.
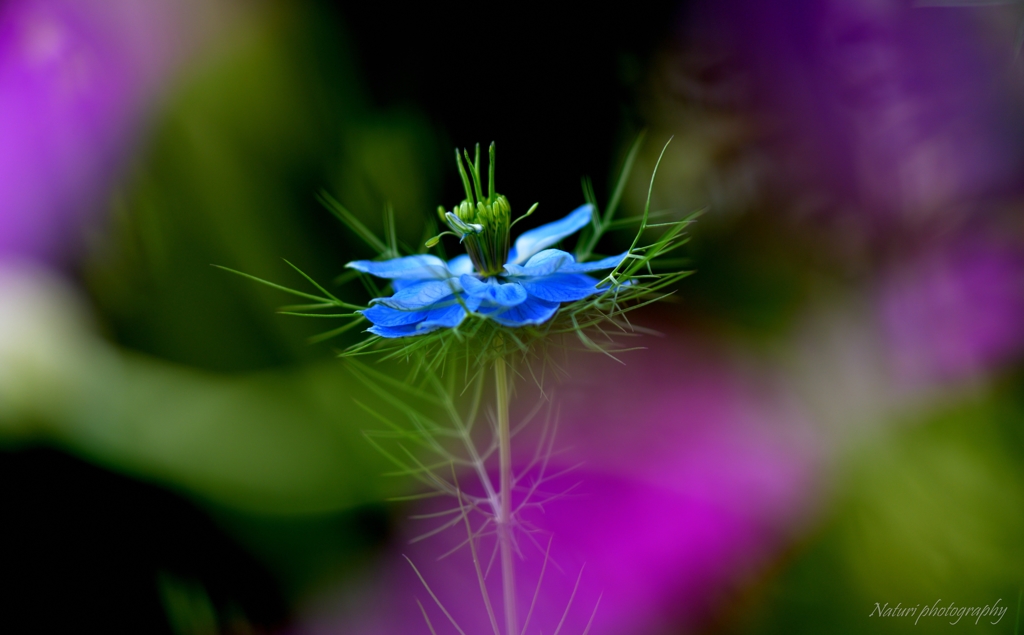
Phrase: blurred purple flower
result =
(75, 76)
(876, 112)
(691, 479)
(955, 313)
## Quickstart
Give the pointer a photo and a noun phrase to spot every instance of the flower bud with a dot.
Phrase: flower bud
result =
(482, 222)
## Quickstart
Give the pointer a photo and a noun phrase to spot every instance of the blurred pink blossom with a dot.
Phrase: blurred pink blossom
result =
(874, 113)
(955, 313)
(75, 79)
(690, 477)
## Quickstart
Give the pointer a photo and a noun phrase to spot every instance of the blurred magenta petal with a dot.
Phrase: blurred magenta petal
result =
(702, 472)
(74, 79)
(691, 479)
(878, 112)
(954, 314)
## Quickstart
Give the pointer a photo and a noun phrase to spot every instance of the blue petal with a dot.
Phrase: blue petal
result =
(398, 285)
(550, 261)
(456, 267)
(605, 263)
(533, 311)
(422, 295)
(472, 303)
(460, 264)
(561, 287)
(382, 315)
(544, 263)
(532, 241)
(392, 323)
(442, 317)
(419, 267)
(393, 331)
(500, 293)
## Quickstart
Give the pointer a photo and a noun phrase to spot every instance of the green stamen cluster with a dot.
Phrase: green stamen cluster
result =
(481, 222)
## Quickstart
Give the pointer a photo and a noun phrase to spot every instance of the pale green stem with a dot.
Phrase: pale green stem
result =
(508, 576)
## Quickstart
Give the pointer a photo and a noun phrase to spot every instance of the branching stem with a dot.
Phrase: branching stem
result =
(504, 520)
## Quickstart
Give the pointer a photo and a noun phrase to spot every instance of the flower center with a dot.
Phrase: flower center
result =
(487, 246)
(481, 222)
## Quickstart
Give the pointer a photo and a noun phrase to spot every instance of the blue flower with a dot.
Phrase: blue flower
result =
(432, 294)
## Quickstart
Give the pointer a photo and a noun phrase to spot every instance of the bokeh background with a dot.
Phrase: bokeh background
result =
(831, 417)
